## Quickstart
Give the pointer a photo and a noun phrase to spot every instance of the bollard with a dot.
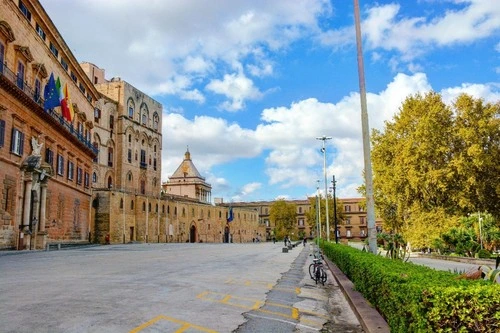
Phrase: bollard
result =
(58, 246)
(47, 246)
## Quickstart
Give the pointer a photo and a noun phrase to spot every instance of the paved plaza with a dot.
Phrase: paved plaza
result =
(199, 287)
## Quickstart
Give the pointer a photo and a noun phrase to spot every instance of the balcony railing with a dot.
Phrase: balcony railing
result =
(36, 97)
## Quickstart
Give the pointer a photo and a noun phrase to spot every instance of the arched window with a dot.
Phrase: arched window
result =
(143, 206)
(156, 121)
(94, 177)
(121, 203)
(144, 114)
(129, 138)
(149, 207)
(131, 204)
(131, 107)
(110, 182)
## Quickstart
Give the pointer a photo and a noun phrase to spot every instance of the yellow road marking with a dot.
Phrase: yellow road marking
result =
(265, 284)
(225, 299)
(256, 305)
(184, 325)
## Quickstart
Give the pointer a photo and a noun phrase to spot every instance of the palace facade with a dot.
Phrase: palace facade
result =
(46, 156)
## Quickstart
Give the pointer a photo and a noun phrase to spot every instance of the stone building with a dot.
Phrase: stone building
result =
(352, 227)
(187, 181)
(45, 157)
(126, 174)
(196, 219)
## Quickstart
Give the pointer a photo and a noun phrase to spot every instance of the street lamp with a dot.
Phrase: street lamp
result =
(335, 210)
(370, 204)
(318, 215)
(324, 138)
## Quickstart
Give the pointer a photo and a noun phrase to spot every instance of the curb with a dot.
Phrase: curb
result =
(370, 319)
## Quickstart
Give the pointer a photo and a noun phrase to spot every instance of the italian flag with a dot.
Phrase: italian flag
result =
(63, 101)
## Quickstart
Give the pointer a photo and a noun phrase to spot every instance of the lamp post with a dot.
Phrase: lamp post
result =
(370, 204)
(318, 228)
(335, 210)
(480, 220)
(324, 138)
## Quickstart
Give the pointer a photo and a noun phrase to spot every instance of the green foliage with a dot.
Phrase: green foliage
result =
(484, 254)
(312, 217)
(283, 215)
(395, 246)
(415, 298)
(437, 159)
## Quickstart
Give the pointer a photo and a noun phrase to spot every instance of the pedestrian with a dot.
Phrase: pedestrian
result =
(305, 240)
(274, 240)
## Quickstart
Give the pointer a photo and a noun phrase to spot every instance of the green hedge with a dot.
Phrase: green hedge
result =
(415, 298)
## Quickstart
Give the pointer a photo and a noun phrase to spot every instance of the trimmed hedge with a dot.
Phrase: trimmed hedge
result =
(415, 298)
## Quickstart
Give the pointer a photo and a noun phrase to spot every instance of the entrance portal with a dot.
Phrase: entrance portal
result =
(226, 235)
(192, 234)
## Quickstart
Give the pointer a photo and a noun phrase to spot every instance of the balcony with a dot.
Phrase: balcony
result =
(25, 92)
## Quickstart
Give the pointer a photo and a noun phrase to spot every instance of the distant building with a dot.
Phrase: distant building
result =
(186, 181)
(353, 227)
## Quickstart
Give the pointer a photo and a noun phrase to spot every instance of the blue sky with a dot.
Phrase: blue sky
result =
(249, 85)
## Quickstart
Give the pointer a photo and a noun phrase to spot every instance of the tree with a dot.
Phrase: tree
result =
(434, 161)
(312, 217)
(476, 155)
(283, 215)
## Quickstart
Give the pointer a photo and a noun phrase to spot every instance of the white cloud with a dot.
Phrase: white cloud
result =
(197, 64)
(488, 92)
(236, 87)
(386, 28)
(206, 138)
(181, 38)
(250, 188)
(287, 137)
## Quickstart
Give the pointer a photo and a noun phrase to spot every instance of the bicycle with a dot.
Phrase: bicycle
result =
(316, 269)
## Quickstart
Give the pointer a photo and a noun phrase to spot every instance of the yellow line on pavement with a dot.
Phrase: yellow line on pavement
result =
(184, 325)
(225, 299)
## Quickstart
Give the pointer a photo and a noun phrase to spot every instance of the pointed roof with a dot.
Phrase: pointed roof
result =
(186, 169)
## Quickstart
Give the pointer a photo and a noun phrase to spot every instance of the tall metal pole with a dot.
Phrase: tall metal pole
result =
(370, 204)
(317, 215)
(319, 209)
(324, 138)
(335, 211)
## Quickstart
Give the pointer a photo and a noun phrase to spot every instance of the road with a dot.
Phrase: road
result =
(168, 288)
(438, 264)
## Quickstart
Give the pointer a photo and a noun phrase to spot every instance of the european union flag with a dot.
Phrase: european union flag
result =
(231, 217)
(50, 94)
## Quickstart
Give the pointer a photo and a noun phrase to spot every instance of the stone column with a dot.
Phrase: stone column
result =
(43, 204)
(26, 209)
(42, 234)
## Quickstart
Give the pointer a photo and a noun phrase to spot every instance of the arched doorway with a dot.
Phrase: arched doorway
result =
(226, 234)
(192, 234)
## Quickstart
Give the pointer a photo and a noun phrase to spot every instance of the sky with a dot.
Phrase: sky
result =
(248, 86)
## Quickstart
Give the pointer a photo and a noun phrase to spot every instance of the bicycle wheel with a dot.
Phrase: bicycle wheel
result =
(323, 276)
(317, 275)
(311, 271)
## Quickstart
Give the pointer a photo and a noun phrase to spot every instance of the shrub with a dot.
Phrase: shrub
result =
(415, 298)
(484, 254)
